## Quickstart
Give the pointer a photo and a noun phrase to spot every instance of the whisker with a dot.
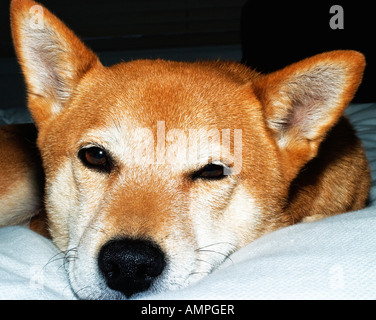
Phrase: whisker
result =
(79, 290)
(228, 258)
(199, 272)
(215, 244)
(99, 229)
(54, 258)
(213, 251)
(226, 255)
(202, 260)
(70, 255)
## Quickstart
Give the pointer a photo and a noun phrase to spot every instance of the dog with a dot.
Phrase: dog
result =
(148, 174)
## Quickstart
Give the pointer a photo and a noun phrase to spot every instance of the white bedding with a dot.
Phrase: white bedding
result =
(333, 258)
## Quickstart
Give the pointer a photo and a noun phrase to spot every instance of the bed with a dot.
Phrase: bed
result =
(333, 258)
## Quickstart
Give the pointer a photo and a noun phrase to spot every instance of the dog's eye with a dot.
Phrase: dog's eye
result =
(95, 158)
(210, 172)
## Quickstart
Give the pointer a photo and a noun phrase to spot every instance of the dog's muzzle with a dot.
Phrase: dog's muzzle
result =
(130, 266)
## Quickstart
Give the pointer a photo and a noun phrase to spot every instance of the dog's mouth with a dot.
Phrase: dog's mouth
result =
(131, 266)
(134, 268)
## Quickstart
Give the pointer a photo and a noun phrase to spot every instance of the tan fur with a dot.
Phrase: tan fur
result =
(299, 156)
(21, 181)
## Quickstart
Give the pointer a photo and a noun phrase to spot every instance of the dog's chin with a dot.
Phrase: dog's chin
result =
(96, 288)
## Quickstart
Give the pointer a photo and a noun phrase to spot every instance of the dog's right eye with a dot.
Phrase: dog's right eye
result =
(95, 158)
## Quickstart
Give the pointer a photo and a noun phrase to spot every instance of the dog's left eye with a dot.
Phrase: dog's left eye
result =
(210, 172)
(95, 158)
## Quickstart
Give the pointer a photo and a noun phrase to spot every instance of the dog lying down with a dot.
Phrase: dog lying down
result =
(148, 174)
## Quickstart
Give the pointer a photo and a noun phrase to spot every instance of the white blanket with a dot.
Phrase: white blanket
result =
(333, 258)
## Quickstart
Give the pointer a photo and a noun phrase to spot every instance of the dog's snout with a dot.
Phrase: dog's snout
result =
(129, 265)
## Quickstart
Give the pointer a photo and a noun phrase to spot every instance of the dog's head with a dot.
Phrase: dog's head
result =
(156, 171)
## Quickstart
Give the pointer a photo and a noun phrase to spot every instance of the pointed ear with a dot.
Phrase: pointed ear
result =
(304, 100)
(52, 58)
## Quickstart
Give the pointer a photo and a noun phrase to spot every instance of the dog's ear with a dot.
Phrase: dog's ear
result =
(304, 100)
(52, 58)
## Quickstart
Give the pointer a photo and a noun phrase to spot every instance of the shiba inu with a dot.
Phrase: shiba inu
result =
(153, 172)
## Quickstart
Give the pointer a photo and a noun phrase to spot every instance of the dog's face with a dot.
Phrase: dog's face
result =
(157, 171)
(148, 162)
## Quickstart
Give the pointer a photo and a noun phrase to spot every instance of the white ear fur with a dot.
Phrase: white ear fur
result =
(52, 58)
(303, 101)
(42, 52)
(307, 100)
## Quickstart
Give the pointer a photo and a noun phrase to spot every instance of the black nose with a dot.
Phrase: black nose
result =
(130, 266)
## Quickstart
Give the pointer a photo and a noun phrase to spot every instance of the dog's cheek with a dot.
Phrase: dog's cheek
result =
(208, 209)
(61, 204)
(237, 219)
(242, 218)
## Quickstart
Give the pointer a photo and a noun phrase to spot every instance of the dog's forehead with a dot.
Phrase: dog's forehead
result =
(184, 95)
(148, 103)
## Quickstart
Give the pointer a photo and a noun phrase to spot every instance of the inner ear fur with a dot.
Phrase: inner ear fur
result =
(304, 100)
(52, 57)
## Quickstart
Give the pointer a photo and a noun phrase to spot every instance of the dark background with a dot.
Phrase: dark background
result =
(265, 35)
(277, 33)
(142, 24)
